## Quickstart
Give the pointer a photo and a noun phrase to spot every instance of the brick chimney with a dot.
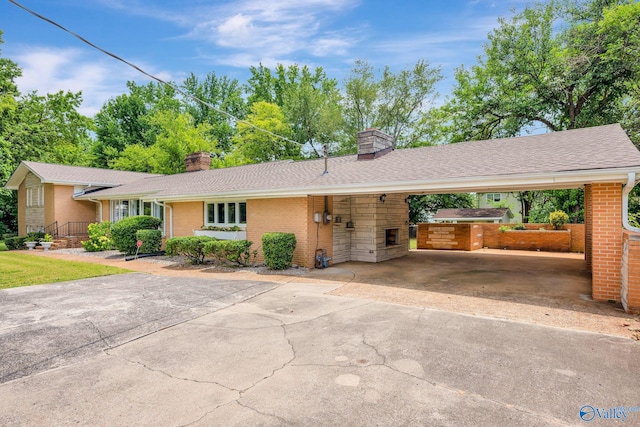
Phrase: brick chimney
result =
(373, 143)
(200, 161)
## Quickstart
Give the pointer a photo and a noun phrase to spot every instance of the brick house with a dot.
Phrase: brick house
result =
(355, 207)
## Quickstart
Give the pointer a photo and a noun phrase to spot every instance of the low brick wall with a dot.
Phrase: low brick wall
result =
(475, 236)
(630, 277)
(493, 237)
(537, 240)
(462, 237)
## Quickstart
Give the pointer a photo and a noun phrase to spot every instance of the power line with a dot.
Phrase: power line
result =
(151, 76)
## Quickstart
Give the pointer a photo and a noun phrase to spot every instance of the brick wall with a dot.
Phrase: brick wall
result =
(291, 215)
(187, 217)
(444, 236)
(536, 240)
(630, 272)
(606, 235)
(68, 210)
(588, 225)
(493, 237)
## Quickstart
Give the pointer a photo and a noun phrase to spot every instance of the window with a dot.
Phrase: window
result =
(35, 196)
(494, 197)
(226, 213)
(124, 208)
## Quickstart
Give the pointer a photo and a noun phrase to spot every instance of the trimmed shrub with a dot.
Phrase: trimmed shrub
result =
(123, 232)
(191, 246)
(234, 251)
(151, 241)
(14, 243)
(99, 237)
(557, 219)
(278, 250)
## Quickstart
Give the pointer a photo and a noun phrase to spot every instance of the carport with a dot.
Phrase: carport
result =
(601, 160)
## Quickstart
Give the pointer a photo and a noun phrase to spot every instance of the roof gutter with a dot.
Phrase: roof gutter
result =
(99, 203)
(170, 233)
(631, 183)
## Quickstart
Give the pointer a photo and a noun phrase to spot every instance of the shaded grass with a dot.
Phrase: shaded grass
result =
(413, 243)
(21, 269)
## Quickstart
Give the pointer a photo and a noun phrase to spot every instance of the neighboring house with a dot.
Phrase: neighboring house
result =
(355, 207)
(502, 200)
(495, 215)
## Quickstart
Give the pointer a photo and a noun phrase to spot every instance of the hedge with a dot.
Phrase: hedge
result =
(235, 251)
(123, 232)
(278, 250)
(191, 246)
(14, 243)
(151, 241)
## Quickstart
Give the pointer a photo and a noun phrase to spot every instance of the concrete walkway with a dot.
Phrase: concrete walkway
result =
(295, 355)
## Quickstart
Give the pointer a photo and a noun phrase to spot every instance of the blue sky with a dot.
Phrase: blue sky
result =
(174, 38)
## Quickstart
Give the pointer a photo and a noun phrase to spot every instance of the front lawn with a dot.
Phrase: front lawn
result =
(21, 269)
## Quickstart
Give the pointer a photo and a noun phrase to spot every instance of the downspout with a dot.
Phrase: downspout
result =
(170, 218)
(99, 202)
(631, 183)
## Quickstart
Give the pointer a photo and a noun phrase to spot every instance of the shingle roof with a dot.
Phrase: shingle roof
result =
(550, 155)
(75, 175)
(462, 213)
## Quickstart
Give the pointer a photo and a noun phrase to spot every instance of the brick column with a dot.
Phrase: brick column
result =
(588, 225)
(606, 240)
(631, 272)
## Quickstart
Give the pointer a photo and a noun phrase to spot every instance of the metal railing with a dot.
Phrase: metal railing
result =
(77, 228)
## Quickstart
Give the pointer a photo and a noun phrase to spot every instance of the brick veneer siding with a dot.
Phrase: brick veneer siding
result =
(461, 237)
(187, 216)
(291, 215)
(493, 237)
(630, 272)
(66, 209)
(606, 237)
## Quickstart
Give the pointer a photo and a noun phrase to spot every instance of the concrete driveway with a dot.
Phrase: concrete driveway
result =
(294, 355)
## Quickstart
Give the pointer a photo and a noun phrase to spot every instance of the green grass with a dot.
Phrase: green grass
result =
(3, 247)
(21, 269)
(413, 243)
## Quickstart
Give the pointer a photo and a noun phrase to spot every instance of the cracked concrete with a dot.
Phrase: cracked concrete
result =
(295, 355)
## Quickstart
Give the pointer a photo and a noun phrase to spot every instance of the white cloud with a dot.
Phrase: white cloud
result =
(50, 70)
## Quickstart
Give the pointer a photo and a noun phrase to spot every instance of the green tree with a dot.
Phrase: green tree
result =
(224, 94)
(125, 120)
(254, 146)
(309, 99)
(533, 75)
(396, 103)
(177, 135)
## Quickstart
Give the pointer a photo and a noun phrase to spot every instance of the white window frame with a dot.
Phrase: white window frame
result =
(222, 207)
(491, 197)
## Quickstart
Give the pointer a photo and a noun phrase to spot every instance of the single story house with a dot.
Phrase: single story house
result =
(468, 215)
(355, 206)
